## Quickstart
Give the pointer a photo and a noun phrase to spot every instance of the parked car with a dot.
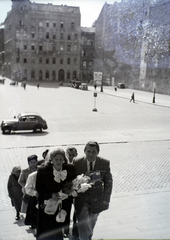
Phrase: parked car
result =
(13, 83)
(71, 83)
(74, 84)
(24, 121)
(83, 86)
(121, 85)
(2, 81)
(77, 84)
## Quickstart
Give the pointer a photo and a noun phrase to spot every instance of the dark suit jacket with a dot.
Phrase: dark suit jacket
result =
(99, 192)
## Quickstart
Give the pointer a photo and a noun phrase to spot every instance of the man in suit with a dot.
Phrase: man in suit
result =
(96, 199)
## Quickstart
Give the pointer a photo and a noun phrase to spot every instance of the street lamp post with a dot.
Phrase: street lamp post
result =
(101, 89)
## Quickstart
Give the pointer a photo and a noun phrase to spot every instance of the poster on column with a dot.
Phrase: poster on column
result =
(98, 78)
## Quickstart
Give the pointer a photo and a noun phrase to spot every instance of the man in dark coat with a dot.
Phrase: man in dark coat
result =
(96, 199)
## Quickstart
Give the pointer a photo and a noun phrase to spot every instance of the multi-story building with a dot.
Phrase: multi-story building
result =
(2, 52)
(132, 44)
(87, 53)
(42, 42)
(156, 55)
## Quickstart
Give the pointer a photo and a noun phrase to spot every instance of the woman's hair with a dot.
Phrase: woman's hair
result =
(16, 170)
(55, 151)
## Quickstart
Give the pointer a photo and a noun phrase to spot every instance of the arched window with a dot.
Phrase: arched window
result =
(53, 75)
(74, 74)
(61, 75)
(68, 75)
(33, 74)
(40, 75)
(47, 75)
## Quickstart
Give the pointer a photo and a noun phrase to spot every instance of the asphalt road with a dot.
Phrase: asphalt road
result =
(70, 118)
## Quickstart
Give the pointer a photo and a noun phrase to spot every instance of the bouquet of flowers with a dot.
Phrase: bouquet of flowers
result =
(80, 184)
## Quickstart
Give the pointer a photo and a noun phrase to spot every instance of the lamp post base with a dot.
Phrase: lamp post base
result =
(94, 109)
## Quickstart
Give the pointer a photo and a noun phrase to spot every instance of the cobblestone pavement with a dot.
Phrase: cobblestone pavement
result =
(135, 166)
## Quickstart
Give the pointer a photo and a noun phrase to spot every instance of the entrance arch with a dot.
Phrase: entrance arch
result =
(40, 75)
(53, 75)
(61, 75)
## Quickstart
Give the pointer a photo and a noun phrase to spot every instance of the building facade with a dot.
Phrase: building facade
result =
(87, 53)
(2, 52)
(42, 42)
(132, 44)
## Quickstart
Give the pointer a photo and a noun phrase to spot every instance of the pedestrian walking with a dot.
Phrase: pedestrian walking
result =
(15, 190)
(133, 97)
(95, 86)
(96, 199)
(31, 214)
(53, 210)
(38, 85)
(32, 162)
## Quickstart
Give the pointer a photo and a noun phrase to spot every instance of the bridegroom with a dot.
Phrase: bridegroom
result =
(96, 199)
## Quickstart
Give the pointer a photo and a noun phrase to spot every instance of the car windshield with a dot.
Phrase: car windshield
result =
(19, 116)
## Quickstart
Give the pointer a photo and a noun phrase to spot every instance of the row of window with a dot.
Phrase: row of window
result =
(49, 61)
(48, 47)
(47, 74)
(47, 24)
(52, 24)
(47, 35)
(86, 64)
(61, 61)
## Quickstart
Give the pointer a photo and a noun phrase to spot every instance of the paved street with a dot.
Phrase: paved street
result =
(135, 137)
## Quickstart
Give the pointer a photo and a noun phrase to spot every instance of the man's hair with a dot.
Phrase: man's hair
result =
(72, 149)
(92, 144)
(32, 157)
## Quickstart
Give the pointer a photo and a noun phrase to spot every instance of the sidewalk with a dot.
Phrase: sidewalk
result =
(140, 96)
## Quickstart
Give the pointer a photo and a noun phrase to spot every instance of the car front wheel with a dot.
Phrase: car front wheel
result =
(6, 130)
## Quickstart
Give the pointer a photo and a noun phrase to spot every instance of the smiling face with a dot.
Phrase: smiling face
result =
(58, 161)
(91, 153)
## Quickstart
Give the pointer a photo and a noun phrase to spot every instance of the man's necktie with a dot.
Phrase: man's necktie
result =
(91, 167)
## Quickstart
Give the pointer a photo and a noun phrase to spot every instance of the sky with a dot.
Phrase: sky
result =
(89, 9)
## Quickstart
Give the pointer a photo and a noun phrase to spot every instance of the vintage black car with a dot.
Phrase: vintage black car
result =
(24, 121)
(83, 86)
(2, 81)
